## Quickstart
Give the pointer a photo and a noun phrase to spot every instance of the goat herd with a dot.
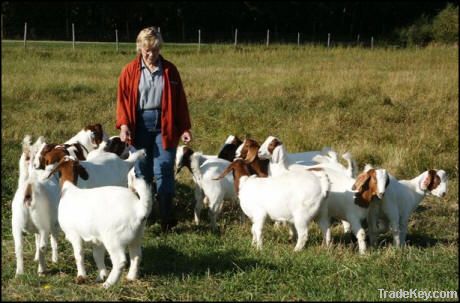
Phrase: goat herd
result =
(96, 197)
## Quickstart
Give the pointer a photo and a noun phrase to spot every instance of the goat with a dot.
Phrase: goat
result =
(34, 210)
(401, 198)
(90, 137)
(341, 200)
(207, 191)
(296, 197)
(304, 158)
(248, 150)
(108, 169)
(228, 150)
(83, 216)
(52, 153)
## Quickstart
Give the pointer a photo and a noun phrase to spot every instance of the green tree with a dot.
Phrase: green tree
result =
(445, 25)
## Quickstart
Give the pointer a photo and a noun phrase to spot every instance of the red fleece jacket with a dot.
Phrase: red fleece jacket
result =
(175, 118)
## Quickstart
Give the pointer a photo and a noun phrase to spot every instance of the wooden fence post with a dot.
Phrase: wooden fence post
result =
(372, 42)
(25, 34)
(357, 40)
(328, 40)
(116, 38)
(268, 36)
(73, 36)
(298, 39)
(199, 39)
(236, 36)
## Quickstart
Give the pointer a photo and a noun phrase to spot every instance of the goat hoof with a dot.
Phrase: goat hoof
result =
(106, 285)
(80, 280)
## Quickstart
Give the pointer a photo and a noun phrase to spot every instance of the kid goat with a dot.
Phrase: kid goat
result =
(401, 198)
(296, 197)
(83, 216)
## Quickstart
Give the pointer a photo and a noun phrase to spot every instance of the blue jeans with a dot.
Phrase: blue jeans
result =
(159, 162)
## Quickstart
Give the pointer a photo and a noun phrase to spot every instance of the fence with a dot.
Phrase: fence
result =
(235, 37)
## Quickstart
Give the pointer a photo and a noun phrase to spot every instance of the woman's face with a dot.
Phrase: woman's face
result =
(150, 54)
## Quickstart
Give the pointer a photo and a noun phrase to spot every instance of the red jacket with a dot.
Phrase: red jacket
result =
(175, 117)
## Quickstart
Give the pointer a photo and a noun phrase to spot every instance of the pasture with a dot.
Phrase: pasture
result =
(396, 109)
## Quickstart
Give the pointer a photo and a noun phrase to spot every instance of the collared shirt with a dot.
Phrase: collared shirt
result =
(150, 87)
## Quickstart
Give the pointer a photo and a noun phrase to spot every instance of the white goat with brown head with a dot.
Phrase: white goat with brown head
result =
(401, 198)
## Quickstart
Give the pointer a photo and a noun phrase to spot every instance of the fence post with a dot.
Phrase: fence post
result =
(268, 36)
(298, 39)
(357, 40)
(199, 39)
(372, 42)
(116, 38)
(328, 40)
(25, 34)
(73, 36)
(236, 36)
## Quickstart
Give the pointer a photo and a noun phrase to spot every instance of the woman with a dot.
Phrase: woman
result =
(152, 113)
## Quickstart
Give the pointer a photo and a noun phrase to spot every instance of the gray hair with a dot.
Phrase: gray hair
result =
(148, 37)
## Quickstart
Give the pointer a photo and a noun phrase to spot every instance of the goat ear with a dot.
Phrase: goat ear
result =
(360, 181)
(426, 181)
(56, 168)
(251, 155)
(82, 172)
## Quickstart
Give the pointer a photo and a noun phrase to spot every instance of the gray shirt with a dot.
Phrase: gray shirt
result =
(150, 87)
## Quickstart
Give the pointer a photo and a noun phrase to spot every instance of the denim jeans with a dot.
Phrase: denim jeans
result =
(159, 162)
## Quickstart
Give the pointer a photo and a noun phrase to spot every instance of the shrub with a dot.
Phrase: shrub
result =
(445, 25)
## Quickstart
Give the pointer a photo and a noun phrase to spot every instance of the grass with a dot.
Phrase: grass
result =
(392, 108)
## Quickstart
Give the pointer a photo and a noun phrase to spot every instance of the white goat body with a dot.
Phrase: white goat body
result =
(401, 198)
(295, 197)
(209, 192)
(83, 216)
(34, 210)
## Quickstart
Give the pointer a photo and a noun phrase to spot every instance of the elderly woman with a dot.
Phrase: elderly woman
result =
(152, 113)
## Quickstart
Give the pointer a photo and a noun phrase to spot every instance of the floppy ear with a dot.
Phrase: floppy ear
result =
(278, 154)
(426, 181)
(362, 179)
(252, 154)
(56, 168)
(82, 172)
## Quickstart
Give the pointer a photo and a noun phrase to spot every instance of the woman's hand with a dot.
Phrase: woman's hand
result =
(187, 136)
(125, 134)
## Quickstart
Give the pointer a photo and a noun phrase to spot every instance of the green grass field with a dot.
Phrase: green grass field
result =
(396, 109)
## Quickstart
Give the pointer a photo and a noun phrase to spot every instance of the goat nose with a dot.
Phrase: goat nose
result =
(443, 194)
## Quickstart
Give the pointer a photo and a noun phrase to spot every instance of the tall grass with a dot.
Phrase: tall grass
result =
(397, 109)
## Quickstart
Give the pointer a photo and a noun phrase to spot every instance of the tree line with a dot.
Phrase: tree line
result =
(180, 20)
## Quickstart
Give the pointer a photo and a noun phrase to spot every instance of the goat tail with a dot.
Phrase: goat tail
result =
(195, 166)
(144, 190)
(134, 156)
(352, 165)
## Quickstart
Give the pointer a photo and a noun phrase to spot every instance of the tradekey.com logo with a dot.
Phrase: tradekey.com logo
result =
(417, 294)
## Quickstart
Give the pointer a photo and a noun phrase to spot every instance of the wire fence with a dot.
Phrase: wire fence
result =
(73, 32)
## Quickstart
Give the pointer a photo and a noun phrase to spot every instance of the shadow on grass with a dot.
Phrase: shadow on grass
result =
(165, 260)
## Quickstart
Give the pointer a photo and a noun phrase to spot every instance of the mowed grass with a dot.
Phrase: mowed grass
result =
(396, 109)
